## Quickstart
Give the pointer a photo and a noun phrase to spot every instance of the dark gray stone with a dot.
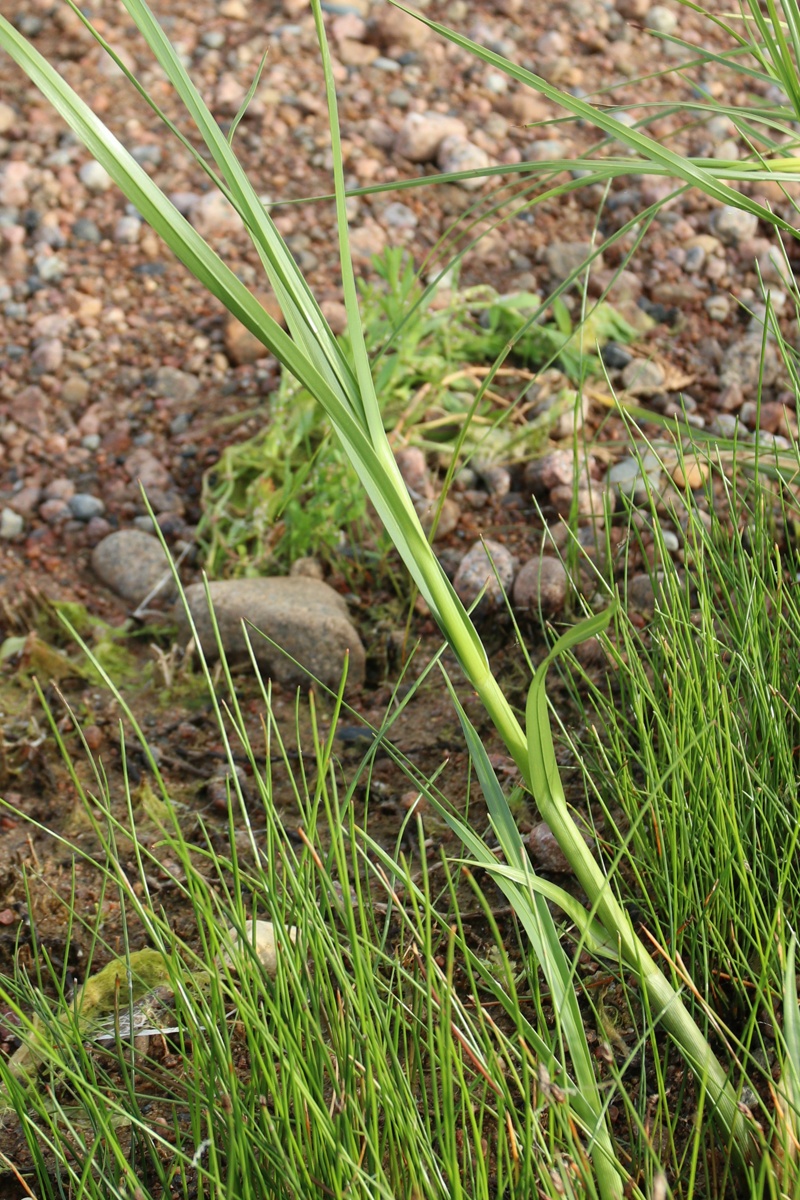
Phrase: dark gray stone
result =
(84, 506)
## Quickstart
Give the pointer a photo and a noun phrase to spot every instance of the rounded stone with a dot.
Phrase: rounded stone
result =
(421, 135)
(661, 19)
(732, 225)
(127, 230)
(631, 477)
(691, 473)
(414, 470)
(84, 506)
(488, 568)
(11, 524)
(459, 154)
(643, 377)
(94, 176)
(306, 627)
(261, 939)
(132, 563)
(541, 587)
(545, 851)
(399, 216)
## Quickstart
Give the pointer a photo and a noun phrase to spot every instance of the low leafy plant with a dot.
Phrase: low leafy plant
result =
(290, 491)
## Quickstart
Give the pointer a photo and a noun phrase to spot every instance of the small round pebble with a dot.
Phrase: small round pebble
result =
(661, 19)
(84, 506)
(54, 511)
(94, 176)
(399, 216)
(541, 587)
(718, 307)
(127, 230)
(732, 225)
(545, 851)
(85, 230)
(476, 574)
(691, 473)
(643, 376)
(459, 154)
(631, 477)
(260, 937)
(11, 524)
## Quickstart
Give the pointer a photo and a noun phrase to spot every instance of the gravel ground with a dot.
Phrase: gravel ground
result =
(115, 368)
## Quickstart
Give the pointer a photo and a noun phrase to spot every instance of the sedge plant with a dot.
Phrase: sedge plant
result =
(343, 386)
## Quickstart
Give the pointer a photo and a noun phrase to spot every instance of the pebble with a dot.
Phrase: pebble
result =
(413, 467)
(214, 216)
(724, 425)
(590, 500)
(26, 500)
(131, 563)
(458, 154)
(541, 587)
(85, 230)
(694, 260)
(545, 851)
(661, 19)
(94, 176)
(643, 377)
(60, 488)
(480, 568)
(54, 511)
(742, 363)
(304, 616)
(173, 384)
(447, 516)
(243, 347)
(718, 307)
(261, 937)
(691, 473)
(391, 27)
(542, 150)
(630, 477)
(496, 480)
(615, 356)
(563, 258)
(399, 216)
(127, 230)
(732, 225)
(8, 118)
(556, 469)
(421, 135)
(640, 595)
(11, 524)
(50, 268)
(48, 356)
(84, 506)
(75, 391)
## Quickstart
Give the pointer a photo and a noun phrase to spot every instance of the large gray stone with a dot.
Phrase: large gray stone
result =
(304, 616)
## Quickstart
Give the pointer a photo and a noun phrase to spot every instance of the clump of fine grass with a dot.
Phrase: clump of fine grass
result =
(691, 750)
(392, 1055)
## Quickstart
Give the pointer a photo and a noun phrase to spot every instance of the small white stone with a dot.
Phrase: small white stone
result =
(265, 945)
(94, 176)
(11, 524)
(661, 19)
